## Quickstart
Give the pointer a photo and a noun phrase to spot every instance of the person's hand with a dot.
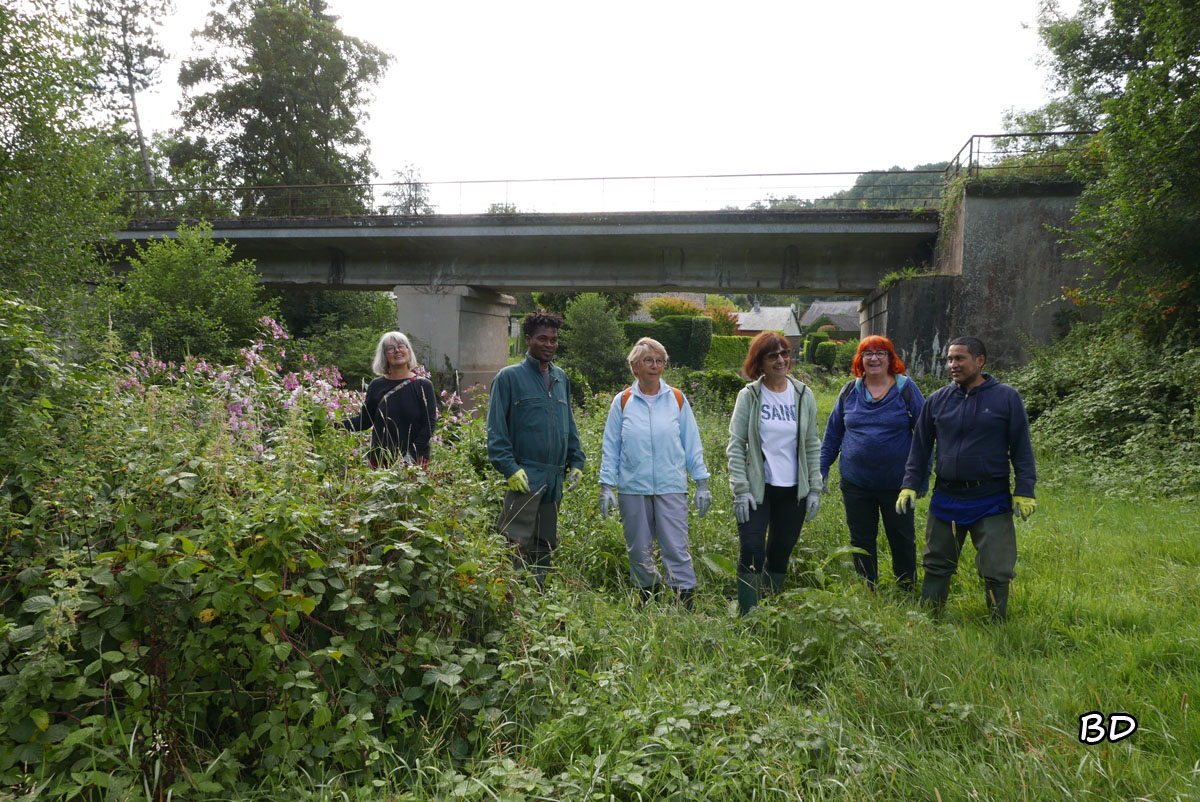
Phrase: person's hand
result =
(573, 477)
(812, 504)
(907, 500)
(742, 504)
(608, 501)
(1024, 506)
(519, 481)
(702, 498)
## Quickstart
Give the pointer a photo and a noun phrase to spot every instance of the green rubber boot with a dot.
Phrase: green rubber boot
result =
(685, 597)
(997, 600)
(774, 581)
(934, 592)
(748, 585)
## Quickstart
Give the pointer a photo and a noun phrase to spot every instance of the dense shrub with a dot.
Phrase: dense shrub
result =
(206, 589)
(724, 320)
(593, 341)
(845, 355)
(671, 305)
(810, 345)
(1106, 397)
(699, 342)
(187, 297)
(716, 389)
(826, 355)
(687, 339)
(727, 352)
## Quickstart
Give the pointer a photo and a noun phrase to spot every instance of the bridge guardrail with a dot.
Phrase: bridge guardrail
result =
(1033, 155)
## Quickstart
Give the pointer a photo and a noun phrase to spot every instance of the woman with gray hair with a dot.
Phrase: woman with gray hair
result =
(651, 444)
(400, 408)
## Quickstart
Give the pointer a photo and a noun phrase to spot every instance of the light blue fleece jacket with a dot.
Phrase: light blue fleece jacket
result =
(651, 446)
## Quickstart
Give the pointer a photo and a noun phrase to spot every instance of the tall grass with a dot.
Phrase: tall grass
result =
(829, 691)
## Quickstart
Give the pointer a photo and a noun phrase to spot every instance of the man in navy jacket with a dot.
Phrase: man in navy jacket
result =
(980, 427)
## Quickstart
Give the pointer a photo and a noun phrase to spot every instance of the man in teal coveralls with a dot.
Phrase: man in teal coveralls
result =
(533, 442)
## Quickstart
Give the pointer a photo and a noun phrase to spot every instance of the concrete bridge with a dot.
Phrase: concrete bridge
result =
(450, 272)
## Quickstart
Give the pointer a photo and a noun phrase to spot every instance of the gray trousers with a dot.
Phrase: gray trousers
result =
(647, 519)
(995, 540)
(530, 526)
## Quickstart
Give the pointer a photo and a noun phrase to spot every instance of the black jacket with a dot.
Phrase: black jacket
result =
(978, 434)
(401, 425)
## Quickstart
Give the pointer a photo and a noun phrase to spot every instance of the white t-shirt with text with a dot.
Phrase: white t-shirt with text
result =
(778, 429)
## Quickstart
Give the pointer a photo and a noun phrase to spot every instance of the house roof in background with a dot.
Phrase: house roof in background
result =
(763, 318)
(843, 314)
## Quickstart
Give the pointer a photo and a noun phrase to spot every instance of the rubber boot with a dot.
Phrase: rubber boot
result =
(774, 581)
(646, 595)
(748, 583)
(685, 597)
(934, 592)
(997, 600)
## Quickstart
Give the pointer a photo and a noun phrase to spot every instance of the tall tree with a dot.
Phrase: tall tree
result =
(57, 188)
(277, 99)
(126, 32)
(1133, 67)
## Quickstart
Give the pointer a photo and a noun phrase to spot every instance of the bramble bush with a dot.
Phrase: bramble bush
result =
(205, 589)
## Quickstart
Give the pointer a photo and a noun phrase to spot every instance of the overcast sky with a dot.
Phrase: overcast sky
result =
(522, 89)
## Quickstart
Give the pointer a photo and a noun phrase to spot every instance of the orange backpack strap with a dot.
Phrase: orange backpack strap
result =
(629, 390)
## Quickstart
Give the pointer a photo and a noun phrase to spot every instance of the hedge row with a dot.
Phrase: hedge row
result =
(727, 352)
(687, 339)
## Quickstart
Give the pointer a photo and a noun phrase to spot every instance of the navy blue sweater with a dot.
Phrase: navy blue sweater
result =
(873, 437)
(978, 433)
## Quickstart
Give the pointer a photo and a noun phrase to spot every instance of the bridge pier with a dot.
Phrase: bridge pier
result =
(456, 329)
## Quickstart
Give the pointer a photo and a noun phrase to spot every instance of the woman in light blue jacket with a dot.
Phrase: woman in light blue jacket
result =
(651, 444)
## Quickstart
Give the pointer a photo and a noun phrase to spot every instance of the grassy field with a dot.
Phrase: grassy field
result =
(831, 692)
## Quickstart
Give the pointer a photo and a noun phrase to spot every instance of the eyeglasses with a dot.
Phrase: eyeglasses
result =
(391, 349)
(875, 354)
(651, 361)
(771, 357)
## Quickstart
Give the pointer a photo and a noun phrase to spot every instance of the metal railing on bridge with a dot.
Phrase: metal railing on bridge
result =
(1038, 155)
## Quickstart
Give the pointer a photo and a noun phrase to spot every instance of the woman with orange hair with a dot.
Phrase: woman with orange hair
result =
(871, 426)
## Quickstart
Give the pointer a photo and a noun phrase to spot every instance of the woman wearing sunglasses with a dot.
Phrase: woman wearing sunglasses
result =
(774, 466)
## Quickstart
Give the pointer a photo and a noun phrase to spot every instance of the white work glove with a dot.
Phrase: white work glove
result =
(742, 504)
(812, 504)
(702, 498)
(608, 501)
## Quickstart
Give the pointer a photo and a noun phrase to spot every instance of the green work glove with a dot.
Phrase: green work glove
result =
(907, 500)
(519, 482)
(573, 477)
(1024, 506)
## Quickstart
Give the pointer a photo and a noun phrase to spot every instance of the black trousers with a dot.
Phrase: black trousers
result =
(767, 539)
(864, 509)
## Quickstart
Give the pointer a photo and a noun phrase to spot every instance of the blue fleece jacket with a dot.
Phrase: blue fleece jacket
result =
(978, 433)
(652, 445)
(873, 437)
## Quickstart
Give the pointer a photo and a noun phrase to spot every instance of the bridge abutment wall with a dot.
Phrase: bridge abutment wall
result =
(458, 331)
(1000, 274)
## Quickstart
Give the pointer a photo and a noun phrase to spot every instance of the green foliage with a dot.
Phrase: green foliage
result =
(208, 590)
(687, 339)
(844, 359)
(895, 188)
(338, 327)
(825, 355)
(816, 325)
(724, 320)
(727, 352)
(699, 342)
(58, 190)
(713, 388)
(593, 341)
(185, 296)
(811, 342)
(1131, 67)
(625, 304)
(277, 98)
(1106, 397)
(668, 305)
